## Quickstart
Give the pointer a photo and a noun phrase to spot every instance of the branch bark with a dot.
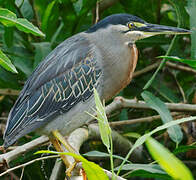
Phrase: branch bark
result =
(120, 102)
(140, 120)
(11, 92)
(11, 155)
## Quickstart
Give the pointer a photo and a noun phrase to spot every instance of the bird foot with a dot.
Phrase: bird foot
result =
(70, 169)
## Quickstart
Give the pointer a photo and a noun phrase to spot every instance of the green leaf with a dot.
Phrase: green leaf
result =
(182, 149)
(190, 62)
(153, 168)
(101, 154)
(6, 63)
(104, 126)
(8, 18)
(143, 138)
(171, 164)
(148, 175)
(155, 103)
(47, 15)
(93, 171)
(27, 27)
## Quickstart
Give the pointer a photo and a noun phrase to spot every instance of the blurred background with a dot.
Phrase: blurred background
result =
(60, 19)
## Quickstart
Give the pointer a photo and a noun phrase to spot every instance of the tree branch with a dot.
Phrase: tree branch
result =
(11, 92)
(9, 156)
(181, 67)
(120, 102)
(139, 120)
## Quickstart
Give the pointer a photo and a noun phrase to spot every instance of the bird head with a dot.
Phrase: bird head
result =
(132, 28)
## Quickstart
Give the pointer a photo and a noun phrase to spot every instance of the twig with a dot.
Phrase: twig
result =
(139, 120)
(180, 67)
(169, 64)
(21, 176)
(28, 163)
(97, 12)
(9, 92)
(146, 69)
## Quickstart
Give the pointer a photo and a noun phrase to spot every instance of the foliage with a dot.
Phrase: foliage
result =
(93, 171)
(23, 45)
(174, 166)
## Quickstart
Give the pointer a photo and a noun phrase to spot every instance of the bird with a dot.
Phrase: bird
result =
(56, 97)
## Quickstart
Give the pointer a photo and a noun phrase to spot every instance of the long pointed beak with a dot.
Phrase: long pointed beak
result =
(154, 29)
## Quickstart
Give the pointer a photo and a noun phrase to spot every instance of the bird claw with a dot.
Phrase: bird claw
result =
(70, 169)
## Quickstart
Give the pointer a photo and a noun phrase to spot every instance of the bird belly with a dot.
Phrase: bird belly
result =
(74, 118)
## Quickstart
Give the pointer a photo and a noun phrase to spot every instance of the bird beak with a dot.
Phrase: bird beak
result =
(153, 29)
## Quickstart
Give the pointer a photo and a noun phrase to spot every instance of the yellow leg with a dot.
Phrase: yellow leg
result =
(59, 137)
(58, 147)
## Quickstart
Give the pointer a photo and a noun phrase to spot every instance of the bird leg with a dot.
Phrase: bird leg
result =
(58, 147)
(70, 166)
(69, 148)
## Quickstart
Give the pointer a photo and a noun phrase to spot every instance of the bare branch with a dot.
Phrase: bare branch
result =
(9, 156)
(181, 67)
(12, 92)
(120, 102)
(146, 69)
(139, 120)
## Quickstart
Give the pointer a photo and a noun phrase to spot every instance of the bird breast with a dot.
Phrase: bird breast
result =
(119, 67)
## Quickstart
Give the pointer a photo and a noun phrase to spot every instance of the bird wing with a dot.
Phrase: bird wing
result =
(66, 77)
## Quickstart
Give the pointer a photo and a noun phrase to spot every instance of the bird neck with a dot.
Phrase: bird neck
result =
(119, 60)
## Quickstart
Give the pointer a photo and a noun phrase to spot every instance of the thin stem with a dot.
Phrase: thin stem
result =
(111, 156)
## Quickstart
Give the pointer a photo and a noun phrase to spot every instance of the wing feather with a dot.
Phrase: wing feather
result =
(66, 77)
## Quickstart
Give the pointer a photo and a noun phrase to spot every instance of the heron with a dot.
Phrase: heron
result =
(56, 96)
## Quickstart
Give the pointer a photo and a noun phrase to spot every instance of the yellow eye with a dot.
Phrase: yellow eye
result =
(131, 25)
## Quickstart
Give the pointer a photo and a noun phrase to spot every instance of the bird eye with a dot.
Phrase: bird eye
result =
(131, 25)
